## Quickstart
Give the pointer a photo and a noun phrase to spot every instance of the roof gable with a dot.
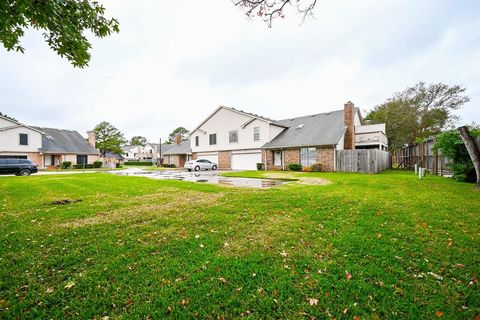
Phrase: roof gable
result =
(64, 141)
(313, 130)
(252, 117)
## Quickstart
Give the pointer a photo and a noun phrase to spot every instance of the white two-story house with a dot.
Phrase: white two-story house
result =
(239, 140)
(233, 138)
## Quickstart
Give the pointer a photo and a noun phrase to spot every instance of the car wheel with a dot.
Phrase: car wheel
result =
(24, 172)
(214, 167)
(197, 168)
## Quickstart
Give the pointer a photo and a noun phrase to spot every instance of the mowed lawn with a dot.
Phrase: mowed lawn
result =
(384, 246)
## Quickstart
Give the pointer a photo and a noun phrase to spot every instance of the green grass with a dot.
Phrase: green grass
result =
(384, 246)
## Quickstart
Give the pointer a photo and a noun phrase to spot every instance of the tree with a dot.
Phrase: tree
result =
(180, 130)
(271, 9)
(63, 23)
(7, 116)
(108, 138)
(138, 141)
(419, 112)
(451, 145)
(473, 150)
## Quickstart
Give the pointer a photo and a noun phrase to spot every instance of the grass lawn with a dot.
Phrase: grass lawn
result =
(384, 246)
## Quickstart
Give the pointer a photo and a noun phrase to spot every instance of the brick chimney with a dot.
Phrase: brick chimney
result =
(91, 138)
(348, 118)
(178, 138)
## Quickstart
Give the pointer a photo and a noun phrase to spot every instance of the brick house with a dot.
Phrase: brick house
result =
(47, 147)
(239, 140)
(178, 152)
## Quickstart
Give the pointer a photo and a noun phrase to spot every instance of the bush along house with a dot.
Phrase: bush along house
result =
(47, 147)
(239, 140)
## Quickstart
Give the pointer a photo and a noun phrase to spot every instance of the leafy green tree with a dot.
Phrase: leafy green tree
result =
(180, 130)
(138, 141)
(108, 138)
(63, 22)
(7, 116)
(451, 145)
(419, 112)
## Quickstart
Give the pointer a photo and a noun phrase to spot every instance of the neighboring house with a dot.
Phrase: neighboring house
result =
(110, 159)
(178, 153)
(47, 147)
(149, 152)
(239, 140)
(233, 138)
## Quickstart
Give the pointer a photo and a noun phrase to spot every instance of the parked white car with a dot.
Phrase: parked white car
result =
(200, 164)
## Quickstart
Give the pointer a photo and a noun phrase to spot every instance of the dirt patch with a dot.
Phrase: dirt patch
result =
(302, 179)
(160, 205)
(65, 201)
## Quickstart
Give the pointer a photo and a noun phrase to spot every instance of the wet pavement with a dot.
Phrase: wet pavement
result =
(211, 177)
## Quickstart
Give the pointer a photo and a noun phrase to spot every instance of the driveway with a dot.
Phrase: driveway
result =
(211, 177)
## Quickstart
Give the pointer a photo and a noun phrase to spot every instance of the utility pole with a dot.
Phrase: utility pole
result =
(159, 153)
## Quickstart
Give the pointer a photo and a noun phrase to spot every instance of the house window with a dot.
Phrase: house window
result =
(82, 159)
(233, 136)
(308, 156)
(256, 133)
(212, 139)
(197, 142)
(23, 139)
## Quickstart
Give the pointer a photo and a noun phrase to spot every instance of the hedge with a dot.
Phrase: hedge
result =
(138, 163)
(83, 166)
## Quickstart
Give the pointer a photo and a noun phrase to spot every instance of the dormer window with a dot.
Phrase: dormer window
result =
(23, 139)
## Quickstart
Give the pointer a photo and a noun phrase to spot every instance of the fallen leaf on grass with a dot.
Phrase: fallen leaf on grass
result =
(439, 313)
(69, 285)
(313, 301)
(284, 254)
(222, 279)
(49, 290)
(348, 275)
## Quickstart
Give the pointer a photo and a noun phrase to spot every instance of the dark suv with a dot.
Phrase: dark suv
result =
(19, 167)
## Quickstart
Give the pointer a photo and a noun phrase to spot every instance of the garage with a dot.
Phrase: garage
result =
(213, 157)
(246, 161)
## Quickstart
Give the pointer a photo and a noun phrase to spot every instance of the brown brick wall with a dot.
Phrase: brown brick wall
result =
(224, 160)
(36, 158)
(325, 156)
(348, 116)
(291, 156)
(194, 156)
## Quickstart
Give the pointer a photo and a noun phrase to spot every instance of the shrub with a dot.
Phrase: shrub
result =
(138, 163)
(260, 166)
(295, 167)
(83, 166)
(451, 145)
(118, 165)
(316, 167)
(97, 163)
(167, 165)
(66, 164)
(307, 169)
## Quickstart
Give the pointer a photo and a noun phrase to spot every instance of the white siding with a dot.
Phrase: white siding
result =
(10, 140)
(224, 121)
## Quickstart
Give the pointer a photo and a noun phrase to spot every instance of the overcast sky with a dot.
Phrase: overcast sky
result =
(174, 62)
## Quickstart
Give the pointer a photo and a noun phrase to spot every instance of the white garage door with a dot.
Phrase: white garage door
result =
(213, 157)
(246, 161)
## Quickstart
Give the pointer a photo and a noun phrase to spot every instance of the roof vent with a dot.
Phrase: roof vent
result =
(300, 126)
(49, 137)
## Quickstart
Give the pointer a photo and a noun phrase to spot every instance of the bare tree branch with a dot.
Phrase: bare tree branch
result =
(271, 9)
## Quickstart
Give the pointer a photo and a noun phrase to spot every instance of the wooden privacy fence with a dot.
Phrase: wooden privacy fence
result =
(362, 160)
(421, 154)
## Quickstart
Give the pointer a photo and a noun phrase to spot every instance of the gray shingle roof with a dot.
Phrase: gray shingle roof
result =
(109, 154)
(165, 146)
(64, 141)
(317, 130)
(182, 148)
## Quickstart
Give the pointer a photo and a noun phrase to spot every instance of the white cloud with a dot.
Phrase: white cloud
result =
(173, 63)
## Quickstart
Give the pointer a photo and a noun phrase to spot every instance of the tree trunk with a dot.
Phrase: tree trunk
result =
(472, 149)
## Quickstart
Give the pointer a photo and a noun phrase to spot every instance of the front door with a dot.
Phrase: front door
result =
(277, 158)
(48, 160)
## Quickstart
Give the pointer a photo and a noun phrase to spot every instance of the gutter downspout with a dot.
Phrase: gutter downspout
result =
(265, 161)
(283, 160)
(334, 158)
